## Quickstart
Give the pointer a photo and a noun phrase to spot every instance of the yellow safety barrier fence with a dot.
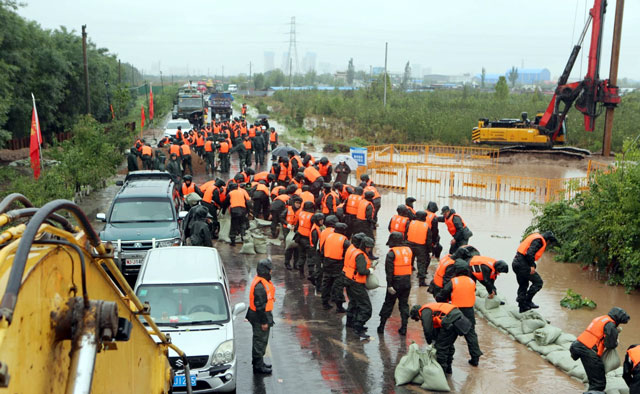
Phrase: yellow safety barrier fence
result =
(435, 155)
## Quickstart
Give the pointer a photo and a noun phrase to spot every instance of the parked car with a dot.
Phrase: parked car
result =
(172, 127)
(145, 214)
(188, 292)
(233, 88)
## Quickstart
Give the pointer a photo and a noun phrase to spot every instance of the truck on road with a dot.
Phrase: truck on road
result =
(220, 104)
(190, 105)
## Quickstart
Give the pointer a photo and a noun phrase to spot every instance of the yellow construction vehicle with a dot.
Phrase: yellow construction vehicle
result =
(69, 322)
(516, 131)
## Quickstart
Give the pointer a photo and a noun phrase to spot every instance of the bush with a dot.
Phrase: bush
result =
(573, 300)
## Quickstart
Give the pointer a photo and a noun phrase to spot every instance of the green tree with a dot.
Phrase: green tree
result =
(483, 76)
(406, 77)
(513, 76)
(310, 77)
(274, 78)
(502, 89)
(351, 71)
(258, 81)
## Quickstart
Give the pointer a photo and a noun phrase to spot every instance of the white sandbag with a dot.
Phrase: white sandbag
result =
(544, 349)
(432, 373)
(192, 199)
(372, 282)
(561, 359)
(515, 330)
(247, 245)
(225, 227)
(506, 322)
(547, 334)
(275, 242)
(610, 359)
(253, 225)
(565, 339)
(408, 367)
(491, 303)
(481, 292)
(524, 338)
(259, 243)
(289, 243)
(531, 322)
(263, 223)
(616, 385)
(578, 373)
(514, 312)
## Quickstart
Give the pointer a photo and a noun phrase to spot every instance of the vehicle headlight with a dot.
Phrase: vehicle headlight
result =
(168, 242)
(224, 354)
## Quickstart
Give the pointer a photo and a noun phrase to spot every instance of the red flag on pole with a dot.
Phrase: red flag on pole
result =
(34, 144)
(113, 114)
(142, 118)
(150, 102)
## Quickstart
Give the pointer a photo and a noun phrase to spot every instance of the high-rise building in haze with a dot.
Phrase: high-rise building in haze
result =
(309, 62)
(285, 63)
(269, 58)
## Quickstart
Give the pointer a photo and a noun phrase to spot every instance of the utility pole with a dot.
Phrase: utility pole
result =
(384, 99)
(161, 82)
(87, 98)
(119, 72)
(613, 76)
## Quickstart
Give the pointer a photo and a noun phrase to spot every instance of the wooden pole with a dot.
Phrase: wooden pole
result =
(87, 98)
(613, 77)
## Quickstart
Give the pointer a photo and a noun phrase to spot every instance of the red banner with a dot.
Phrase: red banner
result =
(34, 144)
(150, 103)
(141, 118)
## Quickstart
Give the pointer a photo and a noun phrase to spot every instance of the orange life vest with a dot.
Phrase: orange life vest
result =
(208, 146)
(463, 294)
(174, 150)
(361, 214)
(524, 245)
(224, 147)
(316, 228)
(418, 231)
(344, 193)
(307, 196)
(324, 170)
(261, 176)
(402, 262)
(238, 198)
(438, 276)
(296, 158)
(304, 223)
(186, 150)
(146, 150)
(292, 217)
(311, 174)
(283, 197)
(247, 144)
(200, 140)
(593, 336)
(188, 189)
(252, 132)
(634, 356)
(276, 191)
(352, 204)
(350, 269)
(179, 134)
(372, 189)
(476, 264)
(273, 136)
(262, 188)
(325, 207)
(324, 234)
(438, 311)
(208, 196)
(269, 288)
(334, 246)
(450, 226)
(398, 224)
(284, 173)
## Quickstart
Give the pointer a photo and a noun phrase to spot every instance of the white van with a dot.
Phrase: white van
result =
(233, 88)
(188, 292)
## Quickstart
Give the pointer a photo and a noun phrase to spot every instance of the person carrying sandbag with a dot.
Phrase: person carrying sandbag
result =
(524, 265)
(486, 270)
(631, 369)
(333, 247)
(398, 272)
(461, 292)
(289, 215)
(601, 334)
(357, 266)
(441, 323)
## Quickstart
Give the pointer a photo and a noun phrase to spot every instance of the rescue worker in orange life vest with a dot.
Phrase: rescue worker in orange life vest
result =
(276, 209)
(260, 314)
(333, 249)
(442, 324)
(185, 153)
(419, 240)
(357, 267)
(189, 187)
(486, 271)
(325, 168)
(446, 270)
(600, 335)
(239, 206)
(398, 269)
(436, 248)
(461, 292)
(147, 156)
(260, 197)
(457, 228)
(303, 230)
(364, 222)
(273, 138)
(631, 369)
(524, 266)
(289, 216)
(400, 221)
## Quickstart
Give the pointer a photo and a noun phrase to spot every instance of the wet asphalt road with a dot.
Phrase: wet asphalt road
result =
(311, 350)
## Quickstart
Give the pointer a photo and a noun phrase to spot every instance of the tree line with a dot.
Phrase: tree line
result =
(49, 64)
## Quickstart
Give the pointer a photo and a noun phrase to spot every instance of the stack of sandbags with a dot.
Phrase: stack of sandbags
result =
(421, 367)
(225, 227)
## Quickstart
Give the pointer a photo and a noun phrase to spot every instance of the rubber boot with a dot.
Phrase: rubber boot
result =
(340, 308)
(422, 282)
(474, 361)
(233, 241)
(403, 329)
(381, 326)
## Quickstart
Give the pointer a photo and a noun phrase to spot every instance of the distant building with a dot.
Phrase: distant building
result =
(531, 75)
(309, 62)
(269, 61)
(446, 79)
(341, 76)
(285, 63)
(377, 71)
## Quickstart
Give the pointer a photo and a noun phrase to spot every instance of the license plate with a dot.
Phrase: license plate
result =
(181, 381)
(133, 261)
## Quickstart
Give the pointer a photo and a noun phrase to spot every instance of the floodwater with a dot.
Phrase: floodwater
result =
(311, 350)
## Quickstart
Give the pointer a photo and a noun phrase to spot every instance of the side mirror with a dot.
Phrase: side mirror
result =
(119, 183)
(239, 308)
(182, 214)
(101, 217)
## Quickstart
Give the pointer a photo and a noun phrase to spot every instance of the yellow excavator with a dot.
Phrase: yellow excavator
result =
(69, 321)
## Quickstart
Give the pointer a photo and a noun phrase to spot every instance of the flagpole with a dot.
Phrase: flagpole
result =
(37, 129)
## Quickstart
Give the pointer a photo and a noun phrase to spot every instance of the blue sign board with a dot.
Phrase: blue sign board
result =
(359, 155)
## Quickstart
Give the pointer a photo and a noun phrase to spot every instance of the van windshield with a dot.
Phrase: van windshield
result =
(183, 304)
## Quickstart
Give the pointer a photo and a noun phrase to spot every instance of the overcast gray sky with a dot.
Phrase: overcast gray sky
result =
(445, 37)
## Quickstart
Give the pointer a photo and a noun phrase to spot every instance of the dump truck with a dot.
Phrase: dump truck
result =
(69, 322)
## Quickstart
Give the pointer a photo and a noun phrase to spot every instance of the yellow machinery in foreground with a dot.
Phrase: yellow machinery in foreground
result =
(65, 325)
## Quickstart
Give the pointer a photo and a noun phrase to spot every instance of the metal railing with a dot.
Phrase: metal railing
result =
(435, 155)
